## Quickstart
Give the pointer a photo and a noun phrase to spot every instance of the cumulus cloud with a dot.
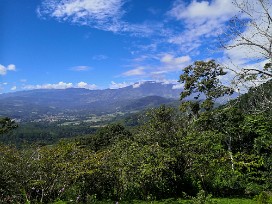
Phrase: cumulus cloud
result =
(178, 86)
(138, 84)
(11, 67)
(115, 85)
(201, 20)
(86, 85)
(171, 62)
(203, 10)
(5, 69)
(61, 85)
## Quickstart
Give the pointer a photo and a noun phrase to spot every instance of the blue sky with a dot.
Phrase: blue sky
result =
(99, 44)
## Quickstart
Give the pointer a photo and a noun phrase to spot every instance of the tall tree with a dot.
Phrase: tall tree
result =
(202, 80)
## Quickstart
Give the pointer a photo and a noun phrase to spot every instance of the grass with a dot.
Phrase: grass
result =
(235, 201)
(178, 201)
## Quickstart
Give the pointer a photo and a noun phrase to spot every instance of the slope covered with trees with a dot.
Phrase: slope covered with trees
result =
(167, 153)
(224, 152)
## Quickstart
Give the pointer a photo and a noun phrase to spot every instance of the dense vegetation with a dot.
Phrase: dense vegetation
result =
(165, 153)
(226, 152)
(183, 156)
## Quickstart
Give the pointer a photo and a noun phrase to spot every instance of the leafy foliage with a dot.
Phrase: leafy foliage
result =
(203, 78)
(223, 152)
(6, 125)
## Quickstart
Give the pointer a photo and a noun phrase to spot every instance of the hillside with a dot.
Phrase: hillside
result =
(256, 100)
(36, 104)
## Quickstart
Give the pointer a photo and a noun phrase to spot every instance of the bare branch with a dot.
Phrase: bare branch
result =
(259, 71)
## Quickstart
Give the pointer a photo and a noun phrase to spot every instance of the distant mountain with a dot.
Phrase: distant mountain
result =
(29, 105)
(148, 102)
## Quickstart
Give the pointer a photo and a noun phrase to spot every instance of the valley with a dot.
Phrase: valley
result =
(71, 105)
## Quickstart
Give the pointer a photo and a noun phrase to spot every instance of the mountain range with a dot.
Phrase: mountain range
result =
(31, 104)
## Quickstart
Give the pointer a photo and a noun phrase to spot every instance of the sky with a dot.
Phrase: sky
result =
(99, 44)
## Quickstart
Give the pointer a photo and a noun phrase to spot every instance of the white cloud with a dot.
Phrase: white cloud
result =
(80, 10)
(178, 86)
(156, 66)
(204, 21)
(203, 10)
(258, 32)
(171, 63)
(135, 85)
(11, 67)
(167, 58)
(114, 85)
(4, 70)
(201, 20)
(245, 55)
(163, 81)
(80, 68)
(135, 72)
(86, 85)
(100, 14)
(82, 84)
(168, 81)
(138, 84)
(62, 85)
(13, 88)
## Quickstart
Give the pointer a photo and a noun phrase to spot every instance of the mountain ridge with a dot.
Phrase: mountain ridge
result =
(78, 101)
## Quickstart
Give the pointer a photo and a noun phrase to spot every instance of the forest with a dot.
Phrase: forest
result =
(196, 153)
(191, 154)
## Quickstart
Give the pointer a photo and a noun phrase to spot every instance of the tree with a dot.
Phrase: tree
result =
(160, 128)
(11, 175)
(6, 124)
(108, 136)
(202, 80)
(250, 32)
(57, 169)
(142, 171)
(256, 100)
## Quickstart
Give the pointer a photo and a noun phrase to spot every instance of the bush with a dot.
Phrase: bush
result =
(264, 198)
(202, 198)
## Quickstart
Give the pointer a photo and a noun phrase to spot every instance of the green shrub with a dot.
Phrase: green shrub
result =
(264, 198)
(202, 198)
